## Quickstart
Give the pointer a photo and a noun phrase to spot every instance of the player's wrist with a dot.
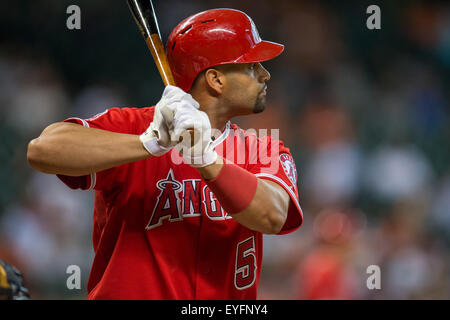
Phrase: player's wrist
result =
(223, 185)
(150, 143)
(212, 170)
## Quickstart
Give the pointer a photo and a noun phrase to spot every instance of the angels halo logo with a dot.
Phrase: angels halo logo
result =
(289, 167)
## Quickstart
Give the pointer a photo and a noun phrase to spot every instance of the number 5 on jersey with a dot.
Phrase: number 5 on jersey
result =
(245, 272)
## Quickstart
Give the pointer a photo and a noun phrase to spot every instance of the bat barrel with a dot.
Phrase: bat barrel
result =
(145, 17)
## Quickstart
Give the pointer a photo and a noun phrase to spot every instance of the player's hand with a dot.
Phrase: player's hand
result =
(182, 103)
(156, 138)
(196, 145)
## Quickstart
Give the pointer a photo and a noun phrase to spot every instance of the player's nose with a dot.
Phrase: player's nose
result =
(264, 75)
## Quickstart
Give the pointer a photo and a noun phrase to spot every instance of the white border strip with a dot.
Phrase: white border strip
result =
(285, 185)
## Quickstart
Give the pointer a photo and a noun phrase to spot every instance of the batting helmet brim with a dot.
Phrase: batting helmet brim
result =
(262, 51)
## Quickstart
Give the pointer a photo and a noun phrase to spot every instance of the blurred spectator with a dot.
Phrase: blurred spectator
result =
(47, 232)
(332, 174)
(96, 99)
(411, 261)
(329, 270)
(440, 214)
(396, 172)
(33, 94)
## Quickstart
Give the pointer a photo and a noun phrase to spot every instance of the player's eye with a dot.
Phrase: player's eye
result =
(252, 66)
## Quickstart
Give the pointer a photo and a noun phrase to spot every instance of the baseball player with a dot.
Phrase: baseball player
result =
(182, 195)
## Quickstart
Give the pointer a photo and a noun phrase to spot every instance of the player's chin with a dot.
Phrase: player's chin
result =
(260, 105)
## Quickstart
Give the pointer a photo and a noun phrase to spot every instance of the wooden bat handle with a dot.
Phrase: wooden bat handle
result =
(157, 49)
(159, 56)
(144, 16)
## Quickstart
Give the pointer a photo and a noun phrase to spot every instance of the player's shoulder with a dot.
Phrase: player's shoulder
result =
(146, 111)
(125, 112)
(121, 119)
(141, 114)
(134, 115)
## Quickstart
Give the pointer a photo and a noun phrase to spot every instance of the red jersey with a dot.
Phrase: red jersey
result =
(160, 233)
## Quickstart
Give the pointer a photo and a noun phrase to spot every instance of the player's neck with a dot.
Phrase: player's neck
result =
(218, 121)
(218, 115)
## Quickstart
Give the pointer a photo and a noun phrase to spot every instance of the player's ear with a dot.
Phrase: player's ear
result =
(215, 80)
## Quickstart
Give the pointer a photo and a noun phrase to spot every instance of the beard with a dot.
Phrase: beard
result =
(260, 104)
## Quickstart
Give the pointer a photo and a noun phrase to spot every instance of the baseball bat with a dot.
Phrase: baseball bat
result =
(145, 17)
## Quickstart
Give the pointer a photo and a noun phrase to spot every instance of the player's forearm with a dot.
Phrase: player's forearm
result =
(74, 150)
(266, 211)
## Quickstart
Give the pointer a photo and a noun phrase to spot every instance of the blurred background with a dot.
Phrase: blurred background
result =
(364, 112)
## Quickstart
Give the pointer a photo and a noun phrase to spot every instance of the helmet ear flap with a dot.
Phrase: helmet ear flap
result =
(215, 37)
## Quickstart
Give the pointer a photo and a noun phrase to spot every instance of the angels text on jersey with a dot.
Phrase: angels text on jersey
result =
(179, 200)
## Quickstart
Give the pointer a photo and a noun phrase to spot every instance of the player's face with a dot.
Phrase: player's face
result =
(246, 89)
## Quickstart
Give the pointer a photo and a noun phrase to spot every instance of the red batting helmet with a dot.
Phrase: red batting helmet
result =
(215, 37)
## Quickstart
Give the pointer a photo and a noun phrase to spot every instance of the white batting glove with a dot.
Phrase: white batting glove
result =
(156, 139)
(197, 150)
(182, 104)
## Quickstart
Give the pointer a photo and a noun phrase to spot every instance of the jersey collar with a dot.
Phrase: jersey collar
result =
(223, 136)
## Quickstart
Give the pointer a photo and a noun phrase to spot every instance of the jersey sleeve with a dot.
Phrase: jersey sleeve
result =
(120, 120)
(270, 159)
